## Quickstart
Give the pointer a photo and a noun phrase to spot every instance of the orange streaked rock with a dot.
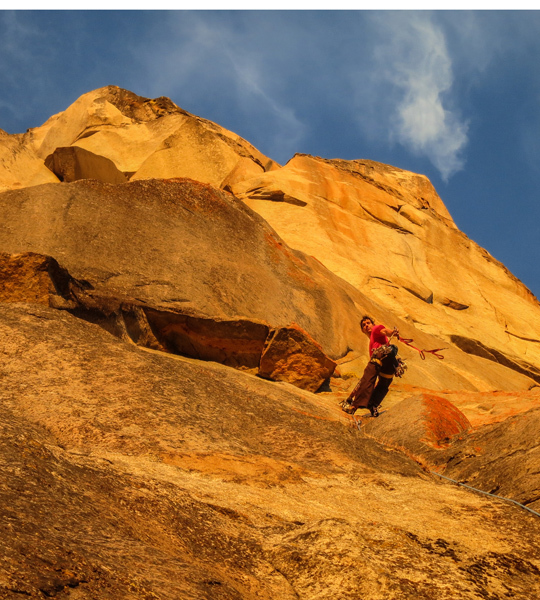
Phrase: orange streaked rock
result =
(292, 355)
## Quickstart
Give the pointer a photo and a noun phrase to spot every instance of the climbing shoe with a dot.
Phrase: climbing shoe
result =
(348, 408)
(374, 411)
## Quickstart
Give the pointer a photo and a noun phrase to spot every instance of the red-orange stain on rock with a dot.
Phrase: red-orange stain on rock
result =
(443, 420)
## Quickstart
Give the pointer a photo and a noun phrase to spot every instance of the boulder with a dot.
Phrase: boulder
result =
(35, 278)
(292, 355)
(238, 343)
(72, 163)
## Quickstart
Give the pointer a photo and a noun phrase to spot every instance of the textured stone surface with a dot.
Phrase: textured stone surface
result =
(183, 247)
(431, 421)
(238, 343)
(143, 137)
(19, 165)
(180, 245)
(500, 458)
(33, 278)
(72, 163)
(388, 233)
(290, 354)
(129, 472)
(494, 407)
(485, 440)
(135, 474)
(382, 229)
(196, 151)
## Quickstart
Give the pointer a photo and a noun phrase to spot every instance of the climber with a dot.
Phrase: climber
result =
(381, 367)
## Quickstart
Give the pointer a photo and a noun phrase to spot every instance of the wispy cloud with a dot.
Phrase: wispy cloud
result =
(204, 58)
(254, 87)
(410, 90)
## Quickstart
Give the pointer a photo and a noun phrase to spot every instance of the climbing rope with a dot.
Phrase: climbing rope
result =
(487, 493)
(358, 421)
(408, 342)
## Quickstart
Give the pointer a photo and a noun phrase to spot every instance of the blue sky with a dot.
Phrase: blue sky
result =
(454, 95)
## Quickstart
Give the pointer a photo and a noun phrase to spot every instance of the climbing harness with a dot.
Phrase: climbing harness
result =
(400, 366)
(381, 352)
(487, 493)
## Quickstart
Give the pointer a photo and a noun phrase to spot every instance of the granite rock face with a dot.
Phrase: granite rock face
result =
(179, 245)
(130, 473)
(483, 440)
(382, 229)
(290, 354)
(285, 354)
(177, 329)
(148, 249)
(501, 458)
(387, 232)
(143, 137)
(432, 422)
(34, 278)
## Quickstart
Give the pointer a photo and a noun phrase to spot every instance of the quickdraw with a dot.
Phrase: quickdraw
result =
(408, 342)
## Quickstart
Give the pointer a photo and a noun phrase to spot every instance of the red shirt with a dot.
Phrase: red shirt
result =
(377, 338)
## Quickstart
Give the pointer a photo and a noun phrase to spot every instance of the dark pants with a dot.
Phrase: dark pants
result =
(368, 395)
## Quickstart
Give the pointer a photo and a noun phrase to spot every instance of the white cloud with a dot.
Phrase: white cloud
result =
(410, 89)
(202, 55)
(256, 65)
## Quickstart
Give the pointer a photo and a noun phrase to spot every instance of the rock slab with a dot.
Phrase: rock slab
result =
(134, 474)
